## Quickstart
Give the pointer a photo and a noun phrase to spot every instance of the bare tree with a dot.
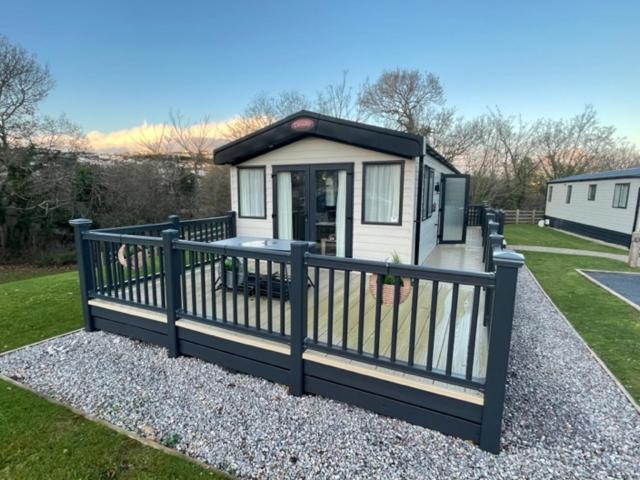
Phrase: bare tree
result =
(581, 144)
(339, 100)
(60, 133)
(24, 83)
(153, 139)
(516, 144)
(403, 99)
(196, 139)
(453, 136)
(265, 109)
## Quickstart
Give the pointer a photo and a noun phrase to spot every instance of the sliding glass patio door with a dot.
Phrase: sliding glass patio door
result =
(315, 203)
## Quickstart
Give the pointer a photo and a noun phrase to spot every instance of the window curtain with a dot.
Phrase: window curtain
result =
(285, 206)
(382, 193)
(341, 214)
(251, 194)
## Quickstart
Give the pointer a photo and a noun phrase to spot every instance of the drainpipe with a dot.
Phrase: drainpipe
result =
(416, 221)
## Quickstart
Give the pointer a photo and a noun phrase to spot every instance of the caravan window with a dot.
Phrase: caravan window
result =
(591, 194)
(620, 195)
(251, 192)
(427, 192)
(568, 198)
(382, 193)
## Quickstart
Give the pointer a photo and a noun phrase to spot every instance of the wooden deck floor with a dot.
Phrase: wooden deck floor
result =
(441, 257)
(464, 310)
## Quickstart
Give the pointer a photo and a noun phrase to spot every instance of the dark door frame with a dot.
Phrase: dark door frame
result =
(635, 217)
(443, 188)
(310, 198)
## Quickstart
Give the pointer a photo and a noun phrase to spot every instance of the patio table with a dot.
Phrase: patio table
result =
(277, 244)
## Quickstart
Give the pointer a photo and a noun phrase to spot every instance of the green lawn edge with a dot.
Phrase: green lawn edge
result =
(548, 237)
(607, 324)
(40, 439)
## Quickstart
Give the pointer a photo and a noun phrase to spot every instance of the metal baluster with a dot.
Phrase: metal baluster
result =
(245, 290)
(345, 310)
(394, 324)
(376, 339)
(316, 303)
(471, 348)
(269, 296)
(412, 327)
(361, 301)
(452, 328)
(330, 308)
(203, 286)
(432, 324)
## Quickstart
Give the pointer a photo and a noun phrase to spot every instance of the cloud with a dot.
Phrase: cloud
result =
(134, 139)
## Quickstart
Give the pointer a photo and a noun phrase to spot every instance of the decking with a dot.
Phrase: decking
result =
(417, 348)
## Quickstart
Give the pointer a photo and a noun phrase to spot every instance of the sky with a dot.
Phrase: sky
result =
(119, 64)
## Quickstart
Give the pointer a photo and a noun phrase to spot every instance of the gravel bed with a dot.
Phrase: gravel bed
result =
(564, 416)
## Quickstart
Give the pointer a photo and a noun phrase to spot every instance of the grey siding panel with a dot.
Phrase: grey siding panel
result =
(598, 233)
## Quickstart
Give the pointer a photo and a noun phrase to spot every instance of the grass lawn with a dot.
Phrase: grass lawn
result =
(608, 325)
(39, 439)
(38, 308)
(13, 273)
(547, 237)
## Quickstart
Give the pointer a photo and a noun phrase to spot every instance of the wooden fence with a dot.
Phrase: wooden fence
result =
(523, 216)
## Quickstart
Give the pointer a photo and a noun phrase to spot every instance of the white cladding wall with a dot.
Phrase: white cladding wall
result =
(429, 227)
(372, 242)
(599, 212)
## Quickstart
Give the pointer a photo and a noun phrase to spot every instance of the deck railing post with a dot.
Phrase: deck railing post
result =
(174, 220)
(173, 268)
(232, 223)
(298, 299)
(83, 259)
(507, 263)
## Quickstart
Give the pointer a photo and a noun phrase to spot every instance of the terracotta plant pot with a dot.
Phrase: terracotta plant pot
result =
(387, 290)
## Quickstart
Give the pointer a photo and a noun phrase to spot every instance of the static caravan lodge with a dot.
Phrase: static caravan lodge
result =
(355, 190)
(601, 205)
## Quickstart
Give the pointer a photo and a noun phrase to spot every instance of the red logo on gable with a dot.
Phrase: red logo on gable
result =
(303, 124)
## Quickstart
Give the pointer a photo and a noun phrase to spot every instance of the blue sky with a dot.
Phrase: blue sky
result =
(118, 64)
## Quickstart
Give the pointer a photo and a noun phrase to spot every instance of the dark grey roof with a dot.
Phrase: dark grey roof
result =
(607, 175)
(285, 131)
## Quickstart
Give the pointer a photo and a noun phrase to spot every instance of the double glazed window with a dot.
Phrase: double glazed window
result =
(620, 195)
(382, 193)
(591, 194)
(568, 198)
(428, 175)
(550, 193)
(251, 192)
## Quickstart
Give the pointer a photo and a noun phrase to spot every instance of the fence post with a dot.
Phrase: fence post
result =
(533, 216)
(172, 288)
(175, 222)
(83, 259)
(507, 264)
(517, 216)
(232, 223)
(298, 299)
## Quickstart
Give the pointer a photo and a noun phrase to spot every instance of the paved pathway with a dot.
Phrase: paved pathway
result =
(569, 251)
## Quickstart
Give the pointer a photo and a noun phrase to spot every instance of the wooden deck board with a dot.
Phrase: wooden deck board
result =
(463, 320)
(422, 333)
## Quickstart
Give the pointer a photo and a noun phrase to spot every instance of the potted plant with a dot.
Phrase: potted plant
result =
(228, 266)
(388, 285)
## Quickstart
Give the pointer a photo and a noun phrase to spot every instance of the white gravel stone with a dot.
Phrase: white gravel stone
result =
(564, 416)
